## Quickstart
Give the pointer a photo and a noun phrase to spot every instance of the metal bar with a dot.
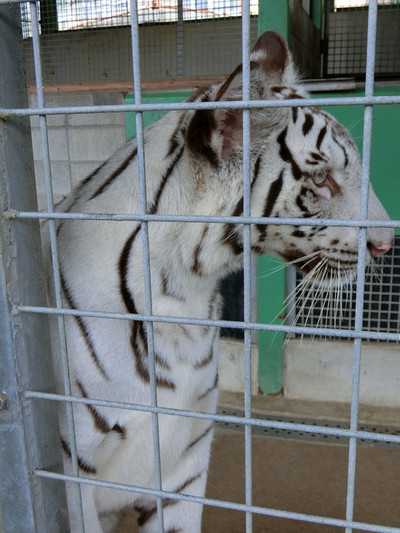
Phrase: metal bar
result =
(180, 45)
(362, 247)
(54, 256)
(225, 504)
(185, 106)
(256, 422)
(290, 288)
(12, 2)
(351, 223)
(371, 335)
(26, 503)
(146, 259)
(247, 257)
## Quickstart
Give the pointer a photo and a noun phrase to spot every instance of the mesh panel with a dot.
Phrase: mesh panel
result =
(347, 38)
(88, 42)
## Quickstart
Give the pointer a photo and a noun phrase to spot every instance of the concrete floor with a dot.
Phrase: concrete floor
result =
(298, 476)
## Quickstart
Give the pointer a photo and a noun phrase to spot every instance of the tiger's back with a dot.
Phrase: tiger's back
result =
(303, 164)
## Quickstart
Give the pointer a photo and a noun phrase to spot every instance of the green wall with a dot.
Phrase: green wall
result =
(164, 97)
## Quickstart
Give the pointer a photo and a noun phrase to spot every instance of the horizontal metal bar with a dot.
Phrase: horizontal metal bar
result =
(17, 1)
(218, 503)
(300, 330)
(358, 223)
(245, 421)
(185, 106)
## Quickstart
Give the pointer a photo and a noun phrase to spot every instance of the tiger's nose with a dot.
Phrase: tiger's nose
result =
(379, 249)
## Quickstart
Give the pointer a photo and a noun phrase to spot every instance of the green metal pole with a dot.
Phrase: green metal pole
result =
(273, 15)
(271, 295)
(316, 13)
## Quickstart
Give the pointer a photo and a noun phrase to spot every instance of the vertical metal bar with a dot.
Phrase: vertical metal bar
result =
(146, 259)
(290, 277)
(180, 50)
(54, 256)
(29, 430)
(247, 257)
(362, 244)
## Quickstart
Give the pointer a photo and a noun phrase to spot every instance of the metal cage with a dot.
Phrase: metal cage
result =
(32, 496)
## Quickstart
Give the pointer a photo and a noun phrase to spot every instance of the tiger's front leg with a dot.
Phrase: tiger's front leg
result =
(178, 516)
(189, 478)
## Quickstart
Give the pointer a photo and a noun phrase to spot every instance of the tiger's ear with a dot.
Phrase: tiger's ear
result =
(272, 56)
(216, 134)
(270, 66)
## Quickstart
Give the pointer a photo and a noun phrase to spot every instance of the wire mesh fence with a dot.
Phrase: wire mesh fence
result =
(26, 393)
(346, 28)
(87, 42)
(64, 15)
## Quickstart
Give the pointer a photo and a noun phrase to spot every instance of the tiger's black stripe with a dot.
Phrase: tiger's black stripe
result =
(146, 514)
(287, 155)
(164, 179)
(300, 203)
(200, 437)
(115, 174)
(229, 80)
(257, 168)
(321, 137)
(273, 193)
(230, 236)
(83, 465)
(174, 142)
(317, 157)
(196, 265)
(123, 267)
(213, 309)
(79, 189)
(138, 332)
(198, 136)
(84, 331)
(346, 157)
(99, 421)
(210, 389)
(206, 361)
(308, 123)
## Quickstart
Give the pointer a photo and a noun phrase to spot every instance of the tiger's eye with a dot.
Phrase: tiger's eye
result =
(319, 177)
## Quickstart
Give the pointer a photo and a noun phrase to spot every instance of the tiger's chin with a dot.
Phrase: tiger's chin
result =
(339, 278)
(323, 271)
(330, 274)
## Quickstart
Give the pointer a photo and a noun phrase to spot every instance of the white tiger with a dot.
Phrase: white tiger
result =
(303, 164)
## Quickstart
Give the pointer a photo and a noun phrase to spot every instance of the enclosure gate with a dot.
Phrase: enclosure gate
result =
(32, 496)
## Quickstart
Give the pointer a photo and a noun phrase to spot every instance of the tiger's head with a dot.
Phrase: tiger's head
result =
(304, 164)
